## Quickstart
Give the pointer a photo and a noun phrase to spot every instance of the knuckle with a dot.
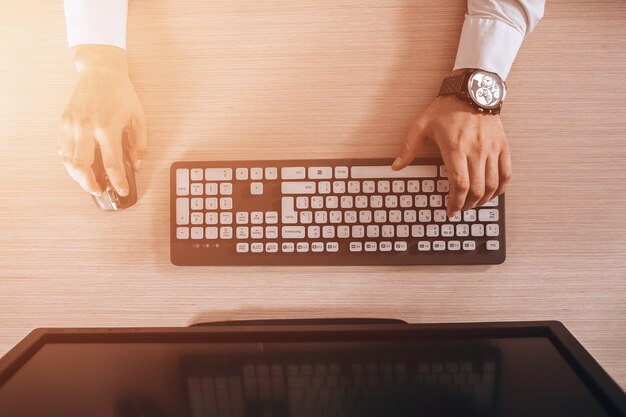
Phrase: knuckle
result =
(80, 165)
(506, 176)
(461, 183)
(490, 186)
(476, 193)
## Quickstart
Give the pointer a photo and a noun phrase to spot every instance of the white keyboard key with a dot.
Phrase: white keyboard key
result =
(341, 172)
(182, 233)
(397, 186)
(443, 186)
(302, 247)
(350, 217)
(292, 173)
(226, 203)
(287, 211)
(320, 173)
(402, 230)
(388, 231)
(196, 203)
(469, 216)
(443, 171)
(306, 217)
(410, 216)
(210, 203)
(321, 217)
(211, 218)
(339, 187)
(424, 216)
(478, 230)
(226, 188)
(439, 245)
(343, 231)
(256, 232)
(323, 187)
(242, 232)
(469, 245)
(406, 201)
(373, 230)
(360, 201)
(271, 232)
(491, 203)
(197, 188)
(332, 202)
(347, 201)
(197, 233)
(313, 232)
(428, 186)
(488, 215)
(288, 247)
(292, 232)
(436, 200)
(241, 217)
(432, 230)
(256, 247)
(462, 230)
(211, 232)
(411, 171)
(210, 188)
(328, 232)
(226, 217)
(423, 246)
(417, 230)
(182, 181)
(242, 247)
(302, 202)
(256, 188)
(182, 211)
(335, 216)
(383, 187)
(447, 230)
(241, 174)
(218, 174)
(317, 202)
(421, 200)
(369, 187)
(197, 218)
(400, 246)
(317, 247)
(371, 246)
(456, 217)
(256, 173)
(271, 217)
(493, 245)
(354, 187)
(391, 201)
(365, 216)
(493, 230)
(395, 216)
(358, 231)
(380, 216)
(271, 247)
(298, 187)
(271, 173)
(440, 216)
(197, 174)
(256, 217)
(385, 246)
(332, 247)
(413, 186)
(454, 245)
(356, 246)
(376, 201)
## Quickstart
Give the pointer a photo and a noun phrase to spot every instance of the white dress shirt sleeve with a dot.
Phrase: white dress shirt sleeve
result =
(493, 32)
(101, 22)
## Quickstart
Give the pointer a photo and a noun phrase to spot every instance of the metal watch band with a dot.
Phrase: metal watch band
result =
(452, 85)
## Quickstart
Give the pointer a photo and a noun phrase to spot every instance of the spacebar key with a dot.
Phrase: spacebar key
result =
(292, 232)
(384, 171)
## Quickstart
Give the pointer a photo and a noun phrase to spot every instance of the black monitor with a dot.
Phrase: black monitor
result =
(303, 369)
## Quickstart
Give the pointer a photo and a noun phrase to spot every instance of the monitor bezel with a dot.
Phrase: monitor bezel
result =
(597, 380)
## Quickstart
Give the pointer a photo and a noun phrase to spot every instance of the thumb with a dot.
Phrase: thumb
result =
(413, 142)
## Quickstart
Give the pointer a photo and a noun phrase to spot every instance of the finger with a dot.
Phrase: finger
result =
(491, 179)
(505, 171)
(138, 140)
(413, 142)
(82, 162)
(458, 179)
(113, 160)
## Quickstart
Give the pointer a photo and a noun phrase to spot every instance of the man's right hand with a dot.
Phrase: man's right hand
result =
(103, 106)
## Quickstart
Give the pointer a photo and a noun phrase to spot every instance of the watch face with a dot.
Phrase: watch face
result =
(486, 89)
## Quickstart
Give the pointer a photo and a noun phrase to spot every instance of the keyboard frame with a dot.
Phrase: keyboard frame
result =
(183, 252)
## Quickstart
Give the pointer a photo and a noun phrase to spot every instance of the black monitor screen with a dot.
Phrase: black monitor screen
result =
(479, 377)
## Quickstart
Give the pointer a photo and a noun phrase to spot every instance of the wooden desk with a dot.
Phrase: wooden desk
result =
(232, 79)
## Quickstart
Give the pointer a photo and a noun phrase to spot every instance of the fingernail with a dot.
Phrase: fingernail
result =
(123, 192)
(138, 164)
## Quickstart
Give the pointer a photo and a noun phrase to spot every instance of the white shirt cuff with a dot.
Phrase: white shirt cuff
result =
(100, 22)
(488, 44)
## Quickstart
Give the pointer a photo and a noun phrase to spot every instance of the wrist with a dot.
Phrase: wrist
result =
(100, 60)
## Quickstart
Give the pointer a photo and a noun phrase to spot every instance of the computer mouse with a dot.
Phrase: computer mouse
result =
(110, 200)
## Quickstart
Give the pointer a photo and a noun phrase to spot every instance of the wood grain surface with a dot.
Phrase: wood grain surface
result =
(279, 79)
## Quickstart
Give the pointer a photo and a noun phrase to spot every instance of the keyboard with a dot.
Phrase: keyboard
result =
(325, 212)
(341, 383)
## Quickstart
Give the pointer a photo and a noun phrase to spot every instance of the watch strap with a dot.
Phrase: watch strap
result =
(452, 85)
